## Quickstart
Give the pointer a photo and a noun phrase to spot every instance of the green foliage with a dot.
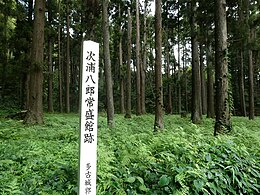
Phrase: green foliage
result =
(132, 159)
(184, 159)
(40, 159)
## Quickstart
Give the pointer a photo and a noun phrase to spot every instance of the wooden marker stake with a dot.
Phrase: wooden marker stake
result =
(88, 118)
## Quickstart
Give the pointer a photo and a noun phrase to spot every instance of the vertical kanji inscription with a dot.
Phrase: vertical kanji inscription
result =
(88, 119)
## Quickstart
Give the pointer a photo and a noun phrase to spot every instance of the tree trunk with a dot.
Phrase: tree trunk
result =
(203, 82)
(27, 79)
(196, 114)
(122, 96)
(60, 70)
(251, 79)
(242, 84)
(223, 121)
(122, 79)
(175, 84)
(144, 64)
(179, 82)
(50, 66)
(241, 79)
(185, 78)
(138, 69)
(35, 107)
(107, 64)
(210, 83)
(50, 79)
(168, 72)
(75, 61)
(4, 60)
(67, 74)
(158, 123)
(179, 63)
(251, 38)
(169, 84)
(59, 59)
(128, 82)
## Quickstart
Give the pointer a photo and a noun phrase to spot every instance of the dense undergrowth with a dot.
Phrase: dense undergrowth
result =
(132, 159)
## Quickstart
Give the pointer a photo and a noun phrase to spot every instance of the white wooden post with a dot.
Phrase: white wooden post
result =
(88, 118)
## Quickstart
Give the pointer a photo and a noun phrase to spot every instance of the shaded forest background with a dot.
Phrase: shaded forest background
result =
(189, 58)
(67, 23)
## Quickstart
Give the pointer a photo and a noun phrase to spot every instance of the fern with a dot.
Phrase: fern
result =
(183, 159)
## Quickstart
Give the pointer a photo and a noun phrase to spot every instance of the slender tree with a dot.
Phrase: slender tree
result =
(138, 69)
(196, 114)
(122, 73)
(35, 107)
(223, 120)
(4, 55)
(144, 63)
(27, 80)
(129, 52)
(250, 35)
(241, 59)
(210, 81)
(168, 98)
(67, 75)
(168, 74)
(158, 123)
(59, 58)
(185, 77)
(203, 82)
(50, 65)
(179, 61)
(107, 64)
(242, 83)
(251, 78)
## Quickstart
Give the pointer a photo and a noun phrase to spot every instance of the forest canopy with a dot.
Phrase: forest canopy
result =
(189, 55)
(169, 72)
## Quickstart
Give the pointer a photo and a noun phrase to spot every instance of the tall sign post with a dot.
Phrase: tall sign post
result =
(88, 118)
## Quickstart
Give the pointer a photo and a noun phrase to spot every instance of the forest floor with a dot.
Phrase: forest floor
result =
(132, 159)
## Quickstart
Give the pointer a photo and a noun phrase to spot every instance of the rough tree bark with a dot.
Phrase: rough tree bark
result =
(50, 66)
(196, 114)
(158, 123)
(203, 82)
(250, 39)
(122, 79)
(223, 121)
(185, 78)
(67, 74)
(169, 84)
(4, 60)
(143, 65)
(179, 64)
(50, 79)
(27, 77)
(128, 81)
(107, 64)
(251, 77)
(138, 69)
(241, 79)
(210, 83)
(35, 107)
(242, 84)
(59, 60)
(169, 109)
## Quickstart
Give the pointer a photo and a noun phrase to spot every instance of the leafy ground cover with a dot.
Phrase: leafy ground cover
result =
(132, 159)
